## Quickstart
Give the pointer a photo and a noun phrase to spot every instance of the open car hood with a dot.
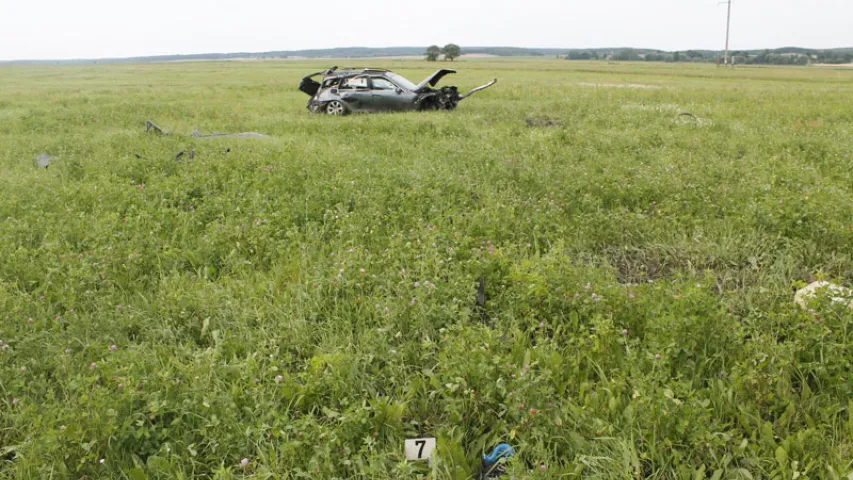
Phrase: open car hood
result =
(434, 78)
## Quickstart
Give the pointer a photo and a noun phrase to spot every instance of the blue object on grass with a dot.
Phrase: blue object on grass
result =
(504, 450)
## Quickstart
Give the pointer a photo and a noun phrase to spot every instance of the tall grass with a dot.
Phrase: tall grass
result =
(308, 302)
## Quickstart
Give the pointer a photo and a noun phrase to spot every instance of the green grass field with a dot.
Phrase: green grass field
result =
(308, 302)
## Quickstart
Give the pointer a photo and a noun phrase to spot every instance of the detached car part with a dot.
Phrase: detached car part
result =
(351, 90)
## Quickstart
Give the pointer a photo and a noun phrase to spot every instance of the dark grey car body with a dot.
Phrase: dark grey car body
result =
(353, 90)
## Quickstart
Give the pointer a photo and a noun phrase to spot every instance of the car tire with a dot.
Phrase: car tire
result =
(335, 107)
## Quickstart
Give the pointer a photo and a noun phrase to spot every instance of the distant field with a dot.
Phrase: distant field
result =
(307, 302)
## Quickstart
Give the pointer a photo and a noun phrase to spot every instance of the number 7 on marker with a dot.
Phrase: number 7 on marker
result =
(419, 448)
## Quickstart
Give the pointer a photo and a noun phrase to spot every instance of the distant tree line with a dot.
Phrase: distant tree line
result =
(450, 51)
(793, 56)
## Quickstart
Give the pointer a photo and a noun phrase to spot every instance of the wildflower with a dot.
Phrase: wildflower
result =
(113, 348)
(543, 467)
(417, 284)
(625, 332)
(101, 461)
(361, 270)
(387, 309)
(657, 356)
(93, 365)
(15, 400)
(541, 324)
(278, 378)
(68, 351)
(550, 404)
(521, 407)
(30, 320)
(62, 427)
(244, 462)
(533, 411)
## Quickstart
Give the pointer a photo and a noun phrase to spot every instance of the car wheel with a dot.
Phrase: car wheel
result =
(335, 107)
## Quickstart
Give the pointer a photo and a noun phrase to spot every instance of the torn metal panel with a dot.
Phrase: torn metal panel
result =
(151, 126)
(433, 79)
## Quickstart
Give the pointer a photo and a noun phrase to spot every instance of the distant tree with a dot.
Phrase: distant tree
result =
(577, 55)
(627, 55)
(432, 53)
(451, 51)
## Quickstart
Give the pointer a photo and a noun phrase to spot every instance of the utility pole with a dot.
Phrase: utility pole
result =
(728, 28)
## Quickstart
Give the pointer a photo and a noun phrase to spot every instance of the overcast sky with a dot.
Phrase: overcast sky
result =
(65, 29)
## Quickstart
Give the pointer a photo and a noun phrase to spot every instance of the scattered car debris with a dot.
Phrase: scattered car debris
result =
(492, 466)
(45, 160)
(687, 117)
(151, 126)
(181, 154)
(836, 293)
(543, 121)
(352, 90)
(196, 134)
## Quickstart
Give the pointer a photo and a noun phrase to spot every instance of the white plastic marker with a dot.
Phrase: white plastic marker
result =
(419, 448)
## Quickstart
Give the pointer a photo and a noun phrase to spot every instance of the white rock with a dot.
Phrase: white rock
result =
(837, 294)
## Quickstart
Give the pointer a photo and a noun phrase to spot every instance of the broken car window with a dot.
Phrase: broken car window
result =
(356, 83)
(402, 81)
(380, 83)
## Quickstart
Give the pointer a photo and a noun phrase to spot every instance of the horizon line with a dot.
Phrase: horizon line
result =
(235, 54)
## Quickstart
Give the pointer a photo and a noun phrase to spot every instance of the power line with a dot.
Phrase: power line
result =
(728, 29)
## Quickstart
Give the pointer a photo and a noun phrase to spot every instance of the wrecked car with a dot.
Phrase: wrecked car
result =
(353, 90)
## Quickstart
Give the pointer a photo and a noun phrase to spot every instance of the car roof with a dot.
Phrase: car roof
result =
(346, 72)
